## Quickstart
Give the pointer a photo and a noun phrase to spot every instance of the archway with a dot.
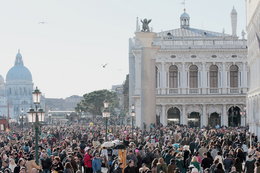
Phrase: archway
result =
(194, 119)
(214, 120)
(234, 117)
(173, 116)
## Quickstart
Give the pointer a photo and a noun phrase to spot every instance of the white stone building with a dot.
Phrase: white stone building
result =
(16, 91)
(200, 76)
(253, 28)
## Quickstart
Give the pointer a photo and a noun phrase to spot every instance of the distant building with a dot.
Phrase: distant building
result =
(16, 92)
(60, 104)
(118, 89)
(189, 76)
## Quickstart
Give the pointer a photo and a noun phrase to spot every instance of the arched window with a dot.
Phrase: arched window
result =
(213, 74)
(233, 76)
(173, 76)
(193, 76)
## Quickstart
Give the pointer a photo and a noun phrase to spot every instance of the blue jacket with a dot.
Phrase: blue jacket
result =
(96, 165)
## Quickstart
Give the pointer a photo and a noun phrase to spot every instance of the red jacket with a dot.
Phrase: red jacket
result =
(88, 160)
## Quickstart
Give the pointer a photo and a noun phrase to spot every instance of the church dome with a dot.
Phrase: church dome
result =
(185, 15)
(18, 72)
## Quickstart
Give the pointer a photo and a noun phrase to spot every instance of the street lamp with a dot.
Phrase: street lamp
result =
(22, 117)
(133, 115)
(36, 116)
(106, 114)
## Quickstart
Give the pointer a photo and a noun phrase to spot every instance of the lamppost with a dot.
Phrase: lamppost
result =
(133, 115)
(36, 116)
(22, 117)
(106, 114)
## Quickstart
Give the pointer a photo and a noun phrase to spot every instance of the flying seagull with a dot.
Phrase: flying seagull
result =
(42, 22)
(104, 66)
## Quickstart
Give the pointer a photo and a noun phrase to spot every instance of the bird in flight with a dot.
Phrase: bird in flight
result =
(104, 65)
(42, 22)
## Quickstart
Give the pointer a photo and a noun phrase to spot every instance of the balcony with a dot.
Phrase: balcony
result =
(214, 90)
(209, 91)
(194, 90)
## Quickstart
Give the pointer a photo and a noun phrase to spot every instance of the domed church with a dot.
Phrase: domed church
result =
(16, 93)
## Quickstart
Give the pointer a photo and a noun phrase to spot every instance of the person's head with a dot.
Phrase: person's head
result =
(154, 162)
(22, 169)
(131, 163)
(96, 154)
(120, 165)
(68, 165)
(219, 153)
(194, 159)
(172, 161)
(160, 161)
(56, 159)
(21, 162)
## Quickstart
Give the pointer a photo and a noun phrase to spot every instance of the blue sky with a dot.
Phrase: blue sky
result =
(66, 54)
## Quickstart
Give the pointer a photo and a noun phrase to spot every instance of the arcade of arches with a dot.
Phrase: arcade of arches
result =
(205, 116)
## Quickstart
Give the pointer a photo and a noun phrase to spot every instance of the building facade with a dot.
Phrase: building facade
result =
(253, 29)
(16, 91)
(194, 77)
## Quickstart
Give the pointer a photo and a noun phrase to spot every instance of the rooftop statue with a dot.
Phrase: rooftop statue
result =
(145, 27)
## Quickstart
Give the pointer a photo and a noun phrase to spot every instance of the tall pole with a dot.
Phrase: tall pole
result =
(106, 128)
(36, 137)
(133, 127)
(22, 123)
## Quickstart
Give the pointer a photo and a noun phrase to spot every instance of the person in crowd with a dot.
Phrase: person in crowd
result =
(96, 164)
(45, 163)
(130, 168)
(30, 164)
(88, 162)
(161, 165)
(228, 162)
(20, 165)
(144, 169)
(57, 166)
(119, 168)
(172, 166)
(154, 166)
(219, 168)
(249, 164)
(68, 168)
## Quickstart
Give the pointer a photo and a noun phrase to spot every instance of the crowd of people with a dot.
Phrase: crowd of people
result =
(172, 149)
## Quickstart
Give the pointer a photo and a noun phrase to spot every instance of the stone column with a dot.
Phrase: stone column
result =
(184, 118)
(164, 116)
(244, 78)
(163, 79)
(224, 78)
(184, 79)
(204, 79)
(204, 116)
(225, 116)
(148, 91)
